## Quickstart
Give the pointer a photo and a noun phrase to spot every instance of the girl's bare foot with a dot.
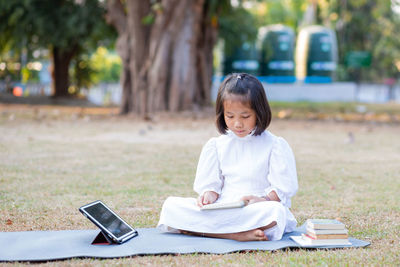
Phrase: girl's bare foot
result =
(251, 235)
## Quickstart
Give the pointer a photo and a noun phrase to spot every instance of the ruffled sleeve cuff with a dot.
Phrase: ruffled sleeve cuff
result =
(283, 199)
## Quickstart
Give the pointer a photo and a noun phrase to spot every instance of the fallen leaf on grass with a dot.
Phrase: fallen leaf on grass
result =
(9, 222)
(285, 114)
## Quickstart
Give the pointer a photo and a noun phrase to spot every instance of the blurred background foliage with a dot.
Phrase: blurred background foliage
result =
(102, 65)
(31, 28)
(360, 25)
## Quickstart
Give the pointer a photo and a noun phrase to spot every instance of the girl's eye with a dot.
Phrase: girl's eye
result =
(229, 117)
(245, 117)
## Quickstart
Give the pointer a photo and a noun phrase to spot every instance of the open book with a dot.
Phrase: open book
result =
(226, 205)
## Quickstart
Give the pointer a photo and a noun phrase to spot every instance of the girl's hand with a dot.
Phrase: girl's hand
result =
(272, 196)
(207, 198)
(252, 199)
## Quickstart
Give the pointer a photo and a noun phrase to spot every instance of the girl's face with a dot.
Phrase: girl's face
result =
(239, 117)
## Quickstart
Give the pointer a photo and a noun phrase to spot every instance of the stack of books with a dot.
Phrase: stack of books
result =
(323, 232)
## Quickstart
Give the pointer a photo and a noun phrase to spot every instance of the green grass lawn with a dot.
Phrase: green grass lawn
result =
(338, 111)
(51, 165)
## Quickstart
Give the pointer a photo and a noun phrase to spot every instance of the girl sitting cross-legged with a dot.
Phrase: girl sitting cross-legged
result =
(246, 162)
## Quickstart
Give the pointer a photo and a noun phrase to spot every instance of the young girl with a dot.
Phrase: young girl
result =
(246, 162)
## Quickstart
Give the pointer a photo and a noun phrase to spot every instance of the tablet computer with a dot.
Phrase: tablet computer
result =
(108, 221)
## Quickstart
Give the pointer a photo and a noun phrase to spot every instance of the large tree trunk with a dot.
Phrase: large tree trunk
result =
(169, 62)
(60, 78)
(117, 17)
(206, 41)
(126, 81)
(139, 50)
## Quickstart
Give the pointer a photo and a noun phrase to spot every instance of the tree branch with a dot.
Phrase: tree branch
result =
(116, 15)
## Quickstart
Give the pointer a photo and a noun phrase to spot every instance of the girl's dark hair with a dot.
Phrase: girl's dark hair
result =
(250, 91)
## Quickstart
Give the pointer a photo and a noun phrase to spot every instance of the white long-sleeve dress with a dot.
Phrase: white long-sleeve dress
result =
(235, 167)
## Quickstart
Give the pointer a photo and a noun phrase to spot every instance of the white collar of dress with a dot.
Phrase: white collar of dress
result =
(245, 138)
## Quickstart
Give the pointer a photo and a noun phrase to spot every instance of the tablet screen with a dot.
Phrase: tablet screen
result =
(108, 220)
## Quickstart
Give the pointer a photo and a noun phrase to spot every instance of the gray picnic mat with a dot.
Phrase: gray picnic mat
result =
(57, 245)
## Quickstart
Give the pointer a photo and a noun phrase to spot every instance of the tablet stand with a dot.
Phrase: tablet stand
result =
(102, 239)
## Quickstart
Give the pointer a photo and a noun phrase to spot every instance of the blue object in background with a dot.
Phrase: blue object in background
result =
(276, 44)
(318, 79)
(316, 55)
(277, 79)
